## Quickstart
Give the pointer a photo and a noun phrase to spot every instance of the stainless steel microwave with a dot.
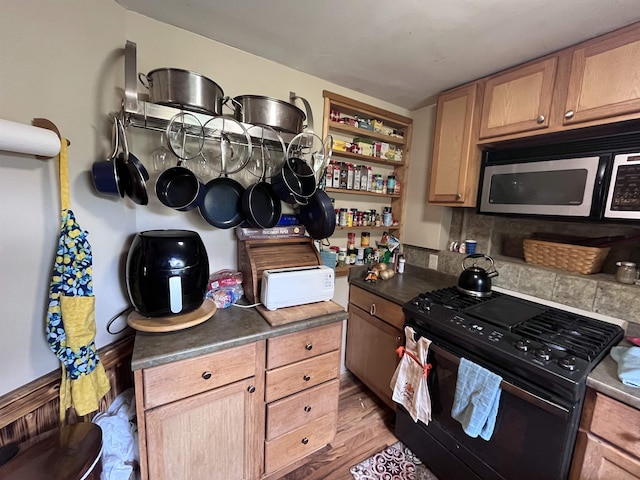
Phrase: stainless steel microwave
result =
(597, 180)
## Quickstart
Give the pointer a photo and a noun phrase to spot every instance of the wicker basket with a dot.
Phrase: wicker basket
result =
(573, 258)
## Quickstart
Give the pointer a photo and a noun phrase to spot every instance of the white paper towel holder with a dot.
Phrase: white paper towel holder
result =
(49, 125)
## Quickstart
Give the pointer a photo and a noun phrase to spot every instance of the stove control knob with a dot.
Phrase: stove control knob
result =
(568, 363)
(523, 345)
(543, 353)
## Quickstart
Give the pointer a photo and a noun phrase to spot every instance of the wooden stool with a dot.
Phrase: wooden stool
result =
(71, 452)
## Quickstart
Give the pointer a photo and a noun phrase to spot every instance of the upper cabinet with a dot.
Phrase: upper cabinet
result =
(604, 82)
(590, 84)
(518, 100)
(594, 84)
(456, 158)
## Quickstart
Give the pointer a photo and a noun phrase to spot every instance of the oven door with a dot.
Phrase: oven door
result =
(533, 437)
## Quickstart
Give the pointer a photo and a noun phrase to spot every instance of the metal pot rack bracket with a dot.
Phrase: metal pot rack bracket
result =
(152, 116)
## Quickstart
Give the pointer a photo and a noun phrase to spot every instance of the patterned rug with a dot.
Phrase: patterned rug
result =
(396, 462)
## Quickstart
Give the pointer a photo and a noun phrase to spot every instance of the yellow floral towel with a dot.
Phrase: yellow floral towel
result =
(70, 324)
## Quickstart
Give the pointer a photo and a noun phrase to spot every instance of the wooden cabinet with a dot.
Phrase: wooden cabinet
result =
(608, 443)
(374, 332)
(203, 417)
(591, 84)
(518, 100)
(603, 83)
(455, 163)
(301, 394)
(397, 131)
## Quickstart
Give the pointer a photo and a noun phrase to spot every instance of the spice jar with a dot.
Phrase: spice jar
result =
(365, 239)
(626, 273)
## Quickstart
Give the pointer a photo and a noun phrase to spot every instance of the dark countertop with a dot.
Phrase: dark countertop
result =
(402, 288)
(229, 327)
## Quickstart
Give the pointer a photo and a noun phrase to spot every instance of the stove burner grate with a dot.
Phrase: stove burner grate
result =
(580, 336)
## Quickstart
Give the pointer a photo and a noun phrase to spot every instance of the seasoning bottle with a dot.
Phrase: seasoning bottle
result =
(391, 184)
(351, 240)
(342, 257)
(401, 263)
(365, 239)
(343, 217)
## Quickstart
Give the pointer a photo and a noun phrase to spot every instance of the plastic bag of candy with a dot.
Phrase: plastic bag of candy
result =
(224, 278)
(224, 297)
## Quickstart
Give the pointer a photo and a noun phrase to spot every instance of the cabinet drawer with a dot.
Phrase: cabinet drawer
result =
(181, 379)
(384, 309)
(299, 443)
(617, 423)
(299, 376)
(304, 344)
(299, 409)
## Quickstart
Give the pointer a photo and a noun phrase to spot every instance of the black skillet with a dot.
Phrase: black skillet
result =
(318, 215)
(260, 204)
(130, 175)
(222, 202)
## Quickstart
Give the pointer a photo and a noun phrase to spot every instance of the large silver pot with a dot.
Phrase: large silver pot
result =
(271, 112)
(183, 89)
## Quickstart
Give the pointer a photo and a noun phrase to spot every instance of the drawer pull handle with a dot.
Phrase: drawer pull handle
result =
(307, 378)
(305, 440)
(206, 375)
(307, 408)
(568, 115)
(372, 309)
(308, 346)
(251, 389)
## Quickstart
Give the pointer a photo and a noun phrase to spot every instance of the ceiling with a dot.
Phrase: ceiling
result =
(403, 52)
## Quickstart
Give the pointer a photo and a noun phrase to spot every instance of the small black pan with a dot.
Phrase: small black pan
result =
(261, 206)
(179, 188)
(318, 216)
(131, 177)
(222, 203)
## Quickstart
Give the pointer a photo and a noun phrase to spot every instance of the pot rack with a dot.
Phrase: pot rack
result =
(152, 116)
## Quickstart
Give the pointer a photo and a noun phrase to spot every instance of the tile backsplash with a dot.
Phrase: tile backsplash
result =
(501, 238)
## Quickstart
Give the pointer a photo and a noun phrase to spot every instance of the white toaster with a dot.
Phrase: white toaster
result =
(287, 287)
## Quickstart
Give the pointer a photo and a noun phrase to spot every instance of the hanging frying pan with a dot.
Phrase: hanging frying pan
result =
(260, 204)
(318, 216)
(132, 181)
(178, 187)
(222, 202)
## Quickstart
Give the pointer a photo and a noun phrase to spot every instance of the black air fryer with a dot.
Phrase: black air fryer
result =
(167, 272)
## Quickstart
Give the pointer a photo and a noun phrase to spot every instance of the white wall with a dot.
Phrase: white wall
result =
(425, 225)
(63, 60)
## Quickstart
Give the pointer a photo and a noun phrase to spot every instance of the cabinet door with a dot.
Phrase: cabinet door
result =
(370, 351)
(456, 158)
(213, 435)
(518, 100)
(604, 78)
(596, 459)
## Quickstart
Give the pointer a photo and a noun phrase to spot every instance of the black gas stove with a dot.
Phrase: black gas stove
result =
(545, 345)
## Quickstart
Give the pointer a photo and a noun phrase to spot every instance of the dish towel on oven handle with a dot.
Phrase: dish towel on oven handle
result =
(409, 381)
(475, 404)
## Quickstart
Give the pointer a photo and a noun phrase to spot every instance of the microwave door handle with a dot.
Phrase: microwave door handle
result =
(522, 394)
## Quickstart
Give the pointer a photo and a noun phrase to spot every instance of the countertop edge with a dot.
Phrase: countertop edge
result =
(153, 350)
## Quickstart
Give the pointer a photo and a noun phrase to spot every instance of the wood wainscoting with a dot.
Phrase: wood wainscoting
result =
(33, 409)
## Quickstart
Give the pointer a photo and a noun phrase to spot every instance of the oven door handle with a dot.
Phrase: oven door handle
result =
(528, 397)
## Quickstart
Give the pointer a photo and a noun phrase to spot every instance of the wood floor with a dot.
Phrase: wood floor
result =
(364, 428)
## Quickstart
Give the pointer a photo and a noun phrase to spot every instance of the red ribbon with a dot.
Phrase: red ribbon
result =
(425, 368)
